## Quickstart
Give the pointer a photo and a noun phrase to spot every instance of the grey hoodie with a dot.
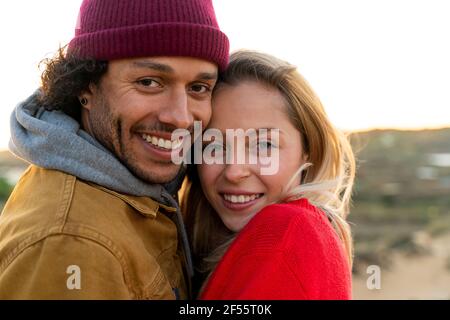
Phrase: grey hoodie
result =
(54, 140)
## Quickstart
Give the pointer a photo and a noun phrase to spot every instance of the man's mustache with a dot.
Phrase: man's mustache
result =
(160, 127)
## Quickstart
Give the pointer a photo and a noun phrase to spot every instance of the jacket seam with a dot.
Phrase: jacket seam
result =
(149, 212)
(101, 239)
(165, 250)
(66, 201)
(148, 289)
(159, 277)
(44, 234)
(21, 246)
(61, 227)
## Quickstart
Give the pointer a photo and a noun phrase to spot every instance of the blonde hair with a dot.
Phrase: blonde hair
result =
(326, 180)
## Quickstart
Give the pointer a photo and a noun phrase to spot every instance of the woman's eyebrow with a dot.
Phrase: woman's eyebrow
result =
(281, 131)
(257, 130)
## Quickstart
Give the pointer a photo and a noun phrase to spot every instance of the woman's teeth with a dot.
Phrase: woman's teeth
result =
(162, 143)
(240, 198)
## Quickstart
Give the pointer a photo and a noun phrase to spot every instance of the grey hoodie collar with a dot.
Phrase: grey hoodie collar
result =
(54, 140)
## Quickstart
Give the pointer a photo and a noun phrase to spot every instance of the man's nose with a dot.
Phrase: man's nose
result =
(176, 111)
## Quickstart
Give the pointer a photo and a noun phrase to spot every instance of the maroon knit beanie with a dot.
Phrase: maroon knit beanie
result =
(117, 29)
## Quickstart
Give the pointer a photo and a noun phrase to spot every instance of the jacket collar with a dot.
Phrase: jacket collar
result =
(144, 205)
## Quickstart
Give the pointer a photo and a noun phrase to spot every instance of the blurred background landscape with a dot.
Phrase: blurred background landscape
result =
(400, 216)
(401, 213)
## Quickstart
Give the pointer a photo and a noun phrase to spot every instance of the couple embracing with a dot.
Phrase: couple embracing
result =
(104, 211)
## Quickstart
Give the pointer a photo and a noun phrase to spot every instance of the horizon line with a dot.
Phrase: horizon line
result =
(363, 130)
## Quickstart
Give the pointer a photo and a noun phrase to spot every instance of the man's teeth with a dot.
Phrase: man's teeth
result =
(162, 143)
(240, 198)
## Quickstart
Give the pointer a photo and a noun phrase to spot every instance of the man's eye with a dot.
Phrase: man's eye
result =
(149, 83)
(200, 88)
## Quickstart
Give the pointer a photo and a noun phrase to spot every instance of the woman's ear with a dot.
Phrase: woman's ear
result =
(305, 157)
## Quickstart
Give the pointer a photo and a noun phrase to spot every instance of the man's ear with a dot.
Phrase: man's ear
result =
(86, 98)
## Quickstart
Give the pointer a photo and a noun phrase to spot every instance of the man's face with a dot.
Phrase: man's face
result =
(140, 102)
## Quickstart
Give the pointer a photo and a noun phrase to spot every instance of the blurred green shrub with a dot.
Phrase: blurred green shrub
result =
(5, 189)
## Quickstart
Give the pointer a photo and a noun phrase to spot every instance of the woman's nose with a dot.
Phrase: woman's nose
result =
(236, 172)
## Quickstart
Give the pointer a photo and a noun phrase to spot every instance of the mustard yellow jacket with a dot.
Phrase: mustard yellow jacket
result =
(63, 238)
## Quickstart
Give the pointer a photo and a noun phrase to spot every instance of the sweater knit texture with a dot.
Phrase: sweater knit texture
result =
(288, 251)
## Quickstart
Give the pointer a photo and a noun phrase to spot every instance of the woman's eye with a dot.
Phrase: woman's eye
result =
(213, 153)
(149, 83)
(214, 147)
(265, 148)
(265, 145)
(213, 150)
(218, 147)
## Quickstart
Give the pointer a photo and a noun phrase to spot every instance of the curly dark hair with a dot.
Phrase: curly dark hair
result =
(65, 77)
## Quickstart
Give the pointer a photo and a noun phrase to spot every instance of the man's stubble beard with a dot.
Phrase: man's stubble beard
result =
(107, 129)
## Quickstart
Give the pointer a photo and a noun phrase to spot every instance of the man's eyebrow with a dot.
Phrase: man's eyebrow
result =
(207, 76)
(153, 65)
(168, 69)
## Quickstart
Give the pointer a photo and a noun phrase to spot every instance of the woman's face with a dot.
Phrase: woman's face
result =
(238, 191)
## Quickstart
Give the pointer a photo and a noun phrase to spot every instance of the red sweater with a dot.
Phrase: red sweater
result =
(287, 251)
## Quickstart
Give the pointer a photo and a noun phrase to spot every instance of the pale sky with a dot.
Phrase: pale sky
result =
(374, 64)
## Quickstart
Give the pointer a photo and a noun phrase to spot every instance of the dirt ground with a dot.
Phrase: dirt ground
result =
(412, 277)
